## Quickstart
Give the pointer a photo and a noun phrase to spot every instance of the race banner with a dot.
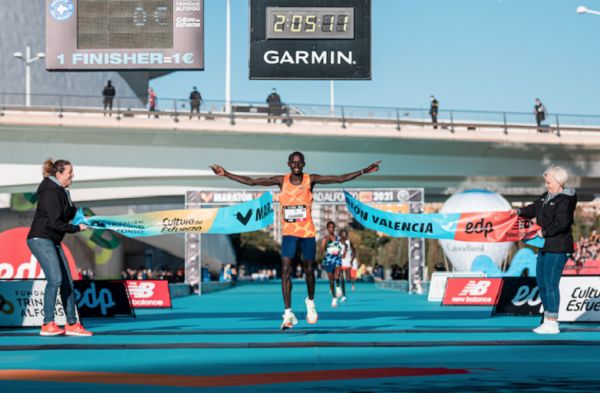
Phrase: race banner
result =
(466, 227)
(246, 217)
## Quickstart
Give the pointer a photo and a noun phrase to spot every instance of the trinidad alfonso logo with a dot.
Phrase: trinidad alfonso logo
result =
(61, 9)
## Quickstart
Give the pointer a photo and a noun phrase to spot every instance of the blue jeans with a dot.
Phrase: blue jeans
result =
(52, 259)
(549, 269)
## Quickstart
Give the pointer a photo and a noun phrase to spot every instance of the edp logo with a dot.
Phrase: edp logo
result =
(92, 299)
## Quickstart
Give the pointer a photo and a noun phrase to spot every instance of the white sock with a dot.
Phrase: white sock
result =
(288, 311)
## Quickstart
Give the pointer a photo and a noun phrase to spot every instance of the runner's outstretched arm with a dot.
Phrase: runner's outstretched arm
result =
(318, 179)
(261, 181)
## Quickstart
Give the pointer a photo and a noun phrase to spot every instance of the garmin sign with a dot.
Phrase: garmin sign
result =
(310, 39)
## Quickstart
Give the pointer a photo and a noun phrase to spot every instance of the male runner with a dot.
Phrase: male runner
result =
(347, 257)
(332, 262)
(298, 227)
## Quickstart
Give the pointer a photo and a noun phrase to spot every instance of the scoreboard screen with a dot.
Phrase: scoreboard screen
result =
(124, 34)
(124, 24)
(310, 39)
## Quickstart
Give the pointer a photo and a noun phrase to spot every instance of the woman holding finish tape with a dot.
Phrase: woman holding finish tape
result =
(554, 212)
(50, 224)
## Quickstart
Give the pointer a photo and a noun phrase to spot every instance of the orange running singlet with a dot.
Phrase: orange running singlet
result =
(296, 208)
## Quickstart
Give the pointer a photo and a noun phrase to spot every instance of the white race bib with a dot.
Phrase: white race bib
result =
(294, 213)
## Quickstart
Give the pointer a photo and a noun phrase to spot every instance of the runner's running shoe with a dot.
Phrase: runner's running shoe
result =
(311, 311)
(289, 320)
(334, 302)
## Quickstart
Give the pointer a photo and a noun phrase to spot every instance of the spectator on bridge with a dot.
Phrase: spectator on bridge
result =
(50, 225)
(540, 113)
(433, 111)
(108, 94)
(195, 101)
(554, 212)
(152, 98)
(275, 107)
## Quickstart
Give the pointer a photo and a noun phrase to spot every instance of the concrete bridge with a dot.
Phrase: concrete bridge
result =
(140, 157)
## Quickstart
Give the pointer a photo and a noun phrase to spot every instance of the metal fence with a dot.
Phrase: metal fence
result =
(342, 115)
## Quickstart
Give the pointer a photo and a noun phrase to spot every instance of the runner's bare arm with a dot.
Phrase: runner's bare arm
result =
(323, 244)
(318, 179)
(261, 181)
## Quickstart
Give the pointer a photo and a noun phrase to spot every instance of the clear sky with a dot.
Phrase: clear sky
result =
(472, 54)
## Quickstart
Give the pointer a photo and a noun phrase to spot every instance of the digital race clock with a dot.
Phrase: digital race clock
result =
(124, 34)
(310, 39)
(311, 23)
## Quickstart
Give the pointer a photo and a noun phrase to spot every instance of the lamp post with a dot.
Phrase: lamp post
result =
(228, 58)
(28, 60)
(584, 10)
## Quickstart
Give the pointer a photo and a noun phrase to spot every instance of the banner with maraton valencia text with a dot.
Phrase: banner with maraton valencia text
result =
(246, 217)
(466, 227)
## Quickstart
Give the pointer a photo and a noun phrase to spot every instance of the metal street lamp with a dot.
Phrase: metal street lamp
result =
(28, 60)
(584, 10)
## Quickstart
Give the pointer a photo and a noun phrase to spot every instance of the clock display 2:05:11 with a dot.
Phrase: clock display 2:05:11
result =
(293, 23)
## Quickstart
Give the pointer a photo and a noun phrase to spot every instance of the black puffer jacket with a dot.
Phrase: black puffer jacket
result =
(555, 216)
(53, 213)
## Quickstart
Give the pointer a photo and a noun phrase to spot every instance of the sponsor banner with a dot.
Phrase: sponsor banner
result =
(149, 293)
(22, 304)
(579, 299)
(245, 217)
(467, 227)
(16, 260)
(99, 299)
(437, 285)
(519, 296)
(471, 291)
(321, 196)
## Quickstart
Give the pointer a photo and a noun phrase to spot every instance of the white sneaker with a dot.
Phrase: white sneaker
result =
(548, 327)
(343, 299)
(311, 312)
(334, 302)
(338, 292)
(289, 320)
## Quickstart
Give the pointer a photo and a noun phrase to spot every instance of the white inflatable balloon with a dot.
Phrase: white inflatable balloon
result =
(462, 254)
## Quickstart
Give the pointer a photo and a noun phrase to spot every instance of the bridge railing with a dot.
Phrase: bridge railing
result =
(397, 117)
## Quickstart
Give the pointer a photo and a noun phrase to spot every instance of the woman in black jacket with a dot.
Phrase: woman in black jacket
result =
(50, 224)
(554, 212)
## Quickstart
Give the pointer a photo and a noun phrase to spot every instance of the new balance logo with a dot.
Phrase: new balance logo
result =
(475, 288)
(141, 290)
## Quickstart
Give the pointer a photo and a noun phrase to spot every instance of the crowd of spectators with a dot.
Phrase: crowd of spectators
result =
(149, 274)
(587, 249)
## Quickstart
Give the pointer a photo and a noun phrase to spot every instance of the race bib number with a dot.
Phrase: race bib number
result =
(294, 213)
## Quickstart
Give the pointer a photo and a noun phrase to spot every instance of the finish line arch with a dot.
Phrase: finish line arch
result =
(328, 205)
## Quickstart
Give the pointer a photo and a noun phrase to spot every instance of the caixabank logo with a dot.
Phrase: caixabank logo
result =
(16, 260)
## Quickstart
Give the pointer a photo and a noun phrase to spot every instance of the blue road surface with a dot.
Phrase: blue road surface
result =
(377, 341)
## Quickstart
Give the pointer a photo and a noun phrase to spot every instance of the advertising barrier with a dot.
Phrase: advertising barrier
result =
(22, 304)
(519, 296)
(149, 293)
(472, 291)
(99, 299)
(579, 299)
(438, 282)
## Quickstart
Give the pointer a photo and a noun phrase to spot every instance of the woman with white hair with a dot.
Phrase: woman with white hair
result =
(554, 213)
